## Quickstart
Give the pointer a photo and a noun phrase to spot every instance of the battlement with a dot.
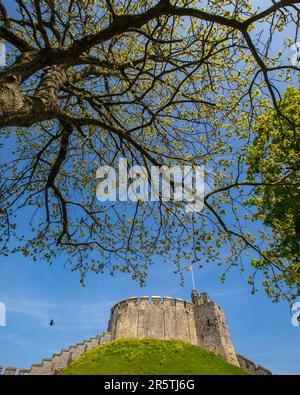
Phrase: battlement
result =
(157, 317)
(201, 322)
(59, 360)
(252, 367)
(154, 301)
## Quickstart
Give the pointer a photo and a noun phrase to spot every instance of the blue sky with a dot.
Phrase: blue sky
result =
(35, 293)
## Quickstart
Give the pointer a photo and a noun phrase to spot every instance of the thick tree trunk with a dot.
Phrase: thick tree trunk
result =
(17, 109)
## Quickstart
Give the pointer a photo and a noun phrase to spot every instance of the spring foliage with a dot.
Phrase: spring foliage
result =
(274, 159)
(160, 83)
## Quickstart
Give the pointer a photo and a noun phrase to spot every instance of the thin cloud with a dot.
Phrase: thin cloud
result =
(85, 315)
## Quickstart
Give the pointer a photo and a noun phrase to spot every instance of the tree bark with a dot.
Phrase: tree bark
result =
(17, 109)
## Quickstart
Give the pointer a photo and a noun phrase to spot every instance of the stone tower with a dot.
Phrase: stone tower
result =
(157, 318)
(211, 327)
(201, 322)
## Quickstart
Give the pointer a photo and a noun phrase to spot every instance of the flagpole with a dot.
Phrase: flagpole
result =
(193, 279)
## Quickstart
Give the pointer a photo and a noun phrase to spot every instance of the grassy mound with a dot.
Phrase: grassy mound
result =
(147, 356)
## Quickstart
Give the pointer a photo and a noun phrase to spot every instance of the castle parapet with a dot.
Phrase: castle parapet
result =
(153, 317)
(167, 301)
(201, 323)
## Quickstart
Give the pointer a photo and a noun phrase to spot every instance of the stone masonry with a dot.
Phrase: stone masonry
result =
(60, 360)
(212, 329)
(200, 322)
(156, 318)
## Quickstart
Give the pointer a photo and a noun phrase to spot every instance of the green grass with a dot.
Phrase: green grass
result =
(147, 356)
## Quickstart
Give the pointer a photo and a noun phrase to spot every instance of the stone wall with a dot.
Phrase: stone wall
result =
(153, 317)
(252, 367)
(9, 371)
(60, 360)
(213, 332)
(201, 323)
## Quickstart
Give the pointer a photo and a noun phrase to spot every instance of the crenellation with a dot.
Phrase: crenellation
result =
(61, 361)
(179, 303)
(132, 301)
(261, 370)
(253, 368)
(156, 300)
(154, 317)
(10, 371)
(167, 301)
(203, 298)
(37, 365)
(105, 338)
(44, 368)
(144, 300)
(24, 372)
(78, 351)
(92, 343)
(201, 322)
(57, 354)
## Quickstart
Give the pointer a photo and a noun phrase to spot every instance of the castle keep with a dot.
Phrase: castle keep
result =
(200, 322)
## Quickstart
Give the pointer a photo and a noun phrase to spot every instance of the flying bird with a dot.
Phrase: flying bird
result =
(51, 323)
